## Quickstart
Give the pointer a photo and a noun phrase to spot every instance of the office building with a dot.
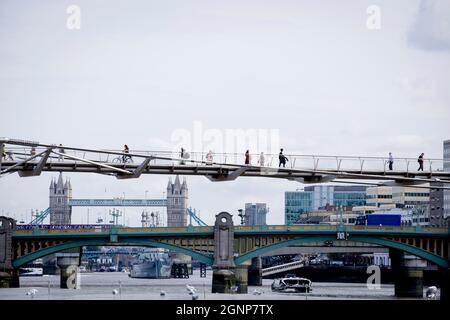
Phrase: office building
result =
(255, 214)
(446, 193)
(401, 197)
(312, 198)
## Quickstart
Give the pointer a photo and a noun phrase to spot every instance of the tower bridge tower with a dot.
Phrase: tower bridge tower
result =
(177, 203)
(59, 195)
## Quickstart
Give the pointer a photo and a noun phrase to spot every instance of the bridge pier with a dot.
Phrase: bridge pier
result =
(445, 284)
(408, 274)
(181, 265)
(223, 281)
(70, 276)
(9, 277)
(242, 277)
(255, 272)
(224, 269)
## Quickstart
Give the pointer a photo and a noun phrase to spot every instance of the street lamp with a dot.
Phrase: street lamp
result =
(241, 215)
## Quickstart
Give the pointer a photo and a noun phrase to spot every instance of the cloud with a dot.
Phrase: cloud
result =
(431, 28)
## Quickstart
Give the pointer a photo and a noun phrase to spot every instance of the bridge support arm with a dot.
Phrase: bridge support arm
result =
(314, 179)
(28, 160)
(38, 169)
(229, 177)
(92, 162)
(138, 171)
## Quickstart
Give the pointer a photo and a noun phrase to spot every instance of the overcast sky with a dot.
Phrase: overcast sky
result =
(138, 71)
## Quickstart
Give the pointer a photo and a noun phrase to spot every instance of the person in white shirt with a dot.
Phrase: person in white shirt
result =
(261, 159)
(391, 161)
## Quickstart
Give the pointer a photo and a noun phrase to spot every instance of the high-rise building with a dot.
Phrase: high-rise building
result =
(446, 193)
(255, 214)
(59, 195)
(177, 203)
(437, 196)
(314, 197)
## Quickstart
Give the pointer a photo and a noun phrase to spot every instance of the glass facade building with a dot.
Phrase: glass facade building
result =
(446, 168)
(296, 203)
(255, 214)
(439, 198)
(314, 197)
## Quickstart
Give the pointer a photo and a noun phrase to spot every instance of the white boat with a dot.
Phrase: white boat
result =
(292, 283)
(31, 272)
(34, 268)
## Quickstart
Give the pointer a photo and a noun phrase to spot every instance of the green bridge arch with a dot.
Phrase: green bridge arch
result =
(442, 262)
(99, 242)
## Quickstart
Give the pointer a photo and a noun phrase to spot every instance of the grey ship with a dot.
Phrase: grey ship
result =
(155, 264)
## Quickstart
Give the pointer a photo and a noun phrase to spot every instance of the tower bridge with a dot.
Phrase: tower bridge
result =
(61, 203)
(117, 202)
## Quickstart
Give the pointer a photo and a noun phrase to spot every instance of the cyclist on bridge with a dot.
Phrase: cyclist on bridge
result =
(126, 150)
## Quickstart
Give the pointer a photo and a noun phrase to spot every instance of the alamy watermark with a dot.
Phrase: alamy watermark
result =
(73, 21)
(72, 281)
(374, 280)
(373, 21)
(229, 141)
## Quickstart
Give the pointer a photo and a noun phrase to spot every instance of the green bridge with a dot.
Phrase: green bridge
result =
(246, 243)
(430, 244)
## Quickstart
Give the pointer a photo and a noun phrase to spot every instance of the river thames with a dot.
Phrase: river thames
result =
(117, 285)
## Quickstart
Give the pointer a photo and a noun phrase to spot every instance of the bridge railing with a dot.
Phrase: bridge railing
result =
(335, 228)
(116, 230)
(238, 229)
(296, 161)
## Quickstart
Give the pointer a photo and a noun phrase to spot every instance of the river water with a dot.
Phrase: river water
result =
(100, 286)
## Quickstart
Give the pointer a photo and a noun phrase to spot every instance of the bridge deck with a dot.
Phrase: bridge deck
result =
(239, 231)
(225, 167)
(218, 171)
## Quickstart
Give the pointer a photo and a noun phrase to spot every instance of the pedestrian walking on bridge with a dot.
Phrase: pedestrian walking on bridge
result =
(420, 161)
(391, 161)
(248, 157)
(282, 159)
(262, 159)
